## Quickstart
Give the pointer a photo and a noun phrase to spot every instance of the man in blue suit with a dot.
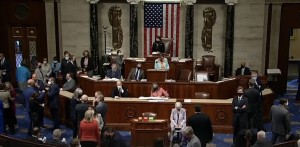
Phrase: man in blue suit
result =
(39, 87)
(53, 101)
(27, 93)
(114, 72)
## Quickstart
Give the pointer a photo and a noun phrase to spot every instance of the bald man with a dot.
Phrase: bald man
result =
(243, 70)
(80, 109)
(27, 93)
(119, 90)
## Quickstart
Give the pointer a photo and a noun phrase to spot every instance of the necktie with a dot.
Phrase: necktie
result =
(136, 77)
(177, 117)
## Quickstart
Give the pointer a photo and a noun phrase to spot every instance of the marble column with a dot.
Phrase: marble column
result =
(229, 38)
(94, 34)
(189, 31)
(133, 28)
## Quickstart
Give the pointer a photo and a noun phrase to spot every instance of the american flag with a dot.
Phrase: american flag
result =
(161, 20)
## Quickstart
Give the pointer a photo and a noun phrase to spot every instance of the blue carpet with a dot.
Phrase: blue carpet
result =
(219, 140)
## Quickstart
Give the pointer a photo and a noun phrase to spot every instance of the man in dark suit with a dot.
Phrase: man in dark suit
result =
(27, 93)
(280, 122)
(261, 140)
(114, 72)
(258, 85)
(39, 86)
(80, 109)
(119, 90)
(56, 141)
(254, 106)
(101, 106)
(70, 85)
(201, 125)
(86, 63)
(64, 65)
(243, 70)
(158, 45)
(36, 134)
(136, 74)
(53, 101)
(240, 115)
(4, 68)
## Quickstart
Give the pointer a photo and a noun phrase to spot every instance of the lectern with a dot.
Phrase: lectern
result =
(156, 75)
(144, 132)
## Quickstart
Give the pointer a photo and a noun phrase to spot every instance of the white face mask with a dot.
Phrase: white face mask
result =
(254, 78)
(119, 87)
(67, 57)
(45, 62)
(49, 82)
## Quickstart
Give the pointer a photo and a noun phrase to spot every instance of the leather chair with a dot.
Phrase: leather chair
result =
(149, 114)
(201, 95)
(208, 64)
(184, 75)
(168, 43)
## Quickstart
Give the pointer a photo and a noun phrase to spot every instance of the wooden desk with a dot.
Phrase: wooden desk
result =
(144, 133)
(122, 111)
(156, 75)
(180, 90)
(173, 73)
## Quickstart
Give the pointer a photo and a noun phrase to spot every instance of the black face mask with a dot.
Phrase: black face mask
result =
(138, 67)
(40, 66)
(242, 66)
(108, 138)
(239, 94)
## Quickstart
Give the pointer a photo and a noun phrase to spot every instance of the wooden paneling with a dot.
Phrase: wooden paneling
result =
(217, 90)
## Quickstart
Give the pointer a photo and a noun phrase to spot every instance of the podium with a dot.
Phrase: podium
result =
(144, 132)
(154, 75)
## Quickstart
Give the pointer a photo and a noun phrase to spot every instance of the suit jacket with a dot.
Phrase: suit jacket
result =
(80, 111)
(254, 99)
(158, 47)
(280, 120)
(241, 140)
(53, 96)
(5, 66)
(34, 140)
(240, 115)
(102, 109)
(202, 127)
(70, 86)
(194, 142)
(262, 143)
(116, 74)
(39, 74)
(90, 63)
(64, 66)
(178, 118)
(115, 92)
(246, 71)
(41, 84)
(57, 143)
(27, 93)
(258, 85)
(133, 72)
(158, 64)
(5, 97)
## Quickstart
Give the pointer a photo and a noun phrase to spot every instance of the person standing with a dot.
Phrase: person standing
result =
(86, 63)
(240, 115)
(258, 85)
(177, 122)
(161, 63)
(53, 101)
(80, 109)
(89, 133)
(280, 122)
(4, 68)
(201, 125)
(40, 88)
(8, 118)
(46, 69)
(35, 108)
(39, 73)
(158, 45)
(243, 70)
(101, 107)
(22, 75)
(119, 90)
(193, 140)
(55, 66)
(74, 101)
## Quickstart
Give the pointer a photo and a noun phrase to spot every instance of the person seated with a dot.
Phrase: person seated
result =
(56, 141)
(158, 45)
(70, 85)
(75, 142)
(161, 63)
(136, 74)
(114, 72)
(119, 90)
(261, 140)
(243, 70)
(112, 138)
(35, 137)
(192, 139)
(178, 120)
(245, 137)
(158, 91)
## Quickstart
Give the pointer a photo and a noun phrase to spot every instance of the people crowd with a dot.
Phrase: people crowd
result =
(89, 120)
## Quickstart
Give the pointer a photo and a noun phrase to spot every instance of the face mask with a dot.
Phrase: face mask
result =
(254, 78)
(49, 82)
(67, 57)
(45, 62)
(54, 61)
(40, 66)
(138, 67)
(240, 94)
(119, 87)
(242, 66)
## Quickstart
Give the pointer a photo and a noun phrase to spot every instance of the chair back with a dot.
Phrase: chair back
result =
(168, 44)
(201, 95)
(185, 75)
(149, 114)
(208, 62)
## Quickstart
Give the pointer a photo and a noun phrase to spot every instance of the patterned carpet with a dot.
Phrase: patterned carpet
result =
(219, 140)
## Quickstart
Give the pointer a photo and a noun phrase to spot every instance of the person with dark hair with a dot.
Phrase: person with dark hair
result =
(101, 107)
(136, 74)
(257, 84)
(35, 137)
(158, 45)
(201, 125)
(4, 68)
(53, 101)
(70, 84)
(22, 75)
(75, 142)
(8, 115)
(245, 138)
(280, 122)
(46, 69)
(64, 65)
(112, 138)
(55, 66)
(39, 86)
(74, 101)
(240, 115)
(35, 108)
(243, 70)
(12, 102)
(86, 63)
(159, 142)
